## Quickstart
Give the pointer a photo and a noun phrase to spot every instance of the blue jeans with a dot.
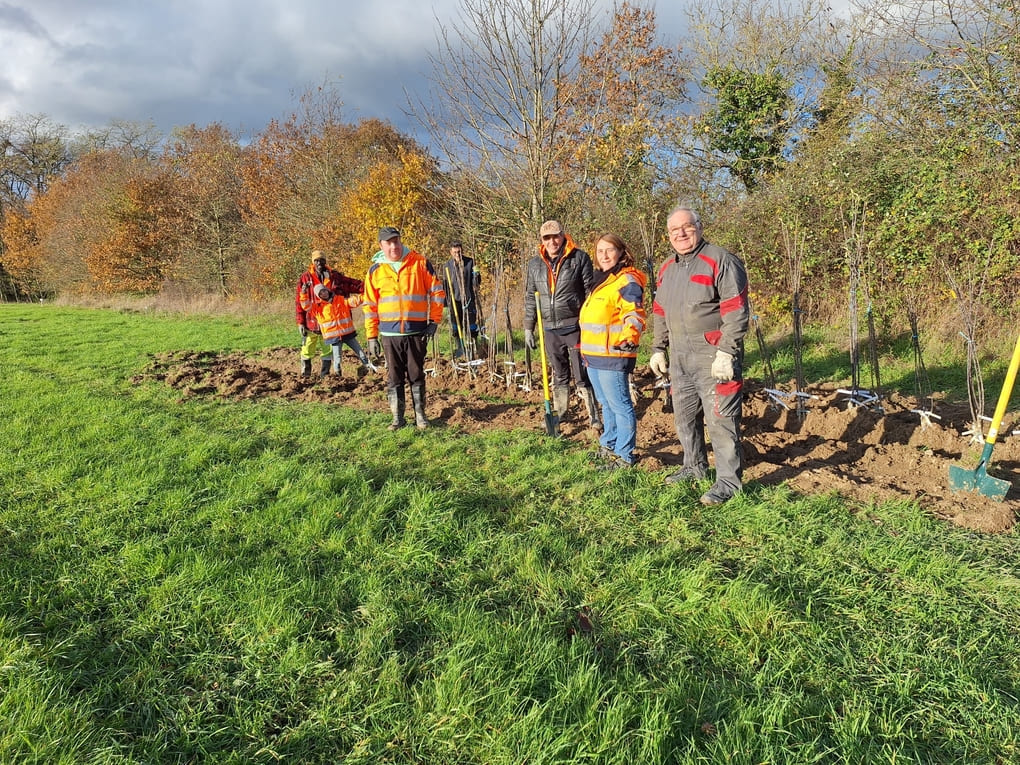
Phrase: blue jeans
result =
(619, 421)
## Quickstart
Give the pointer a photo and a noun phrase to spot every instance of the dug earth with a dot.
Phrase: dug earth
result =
(867, 454)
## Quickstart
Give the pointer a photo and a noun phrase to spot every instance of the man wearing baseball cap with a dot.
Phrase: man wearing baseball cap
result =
(562, 275)
(403, 307)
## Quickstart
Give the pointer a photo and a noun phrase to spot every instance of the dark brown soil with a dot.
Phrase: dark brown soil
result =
(860, 453)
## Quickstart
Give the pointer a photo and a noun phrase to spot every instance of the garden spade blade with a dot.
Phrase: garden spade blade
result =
(962, 479)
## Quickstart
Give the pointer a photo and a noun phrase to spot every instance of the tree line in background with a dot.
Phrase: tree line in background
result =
(881, 141)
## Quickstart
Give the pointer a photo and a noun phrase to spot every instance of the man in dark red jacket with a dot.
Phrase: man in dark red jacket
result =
(306, 298)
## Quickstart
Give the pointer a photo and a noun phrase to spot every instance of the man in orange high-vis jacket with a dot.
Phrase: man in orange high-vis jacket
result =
(701, 315)
(403, 307)
(310, 304)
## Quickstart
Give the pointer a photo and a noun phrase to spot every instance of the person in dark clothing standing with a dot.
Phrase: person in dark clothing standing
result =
(459, 282)
(562, 275)
(701, 316)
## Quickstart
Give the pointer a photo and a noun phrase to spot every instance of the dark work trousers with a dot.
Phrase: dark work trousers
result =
(700, 401)
(565, 358)
(405, 359)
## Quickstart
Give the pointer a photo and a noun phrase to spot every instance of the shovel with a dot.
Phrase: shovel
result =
(962, 479)
(552, 423)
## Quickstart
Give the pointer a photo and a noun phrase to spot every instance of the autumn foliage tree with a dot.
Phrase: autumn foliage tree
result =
(294, 179)
(401, 193)
(205, 181)
(624, 104)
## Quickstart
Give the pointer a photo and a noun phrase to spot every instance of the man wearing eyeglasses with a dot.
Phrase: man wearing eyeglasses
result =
(700, 318)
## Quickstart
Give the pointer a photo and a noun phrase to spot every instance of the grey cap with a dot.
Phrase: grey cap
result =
(388, 232)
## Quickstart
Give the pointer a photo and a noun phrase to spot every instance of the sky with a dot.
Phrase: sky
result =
(86, 63)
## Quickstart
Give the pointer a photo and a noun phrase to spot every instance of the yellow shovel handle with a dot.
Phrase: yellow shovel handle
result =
(541, 345)
(1007, 390)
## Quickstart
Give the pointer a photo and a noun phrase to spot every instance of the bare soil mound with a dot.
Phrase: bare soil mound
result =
(869, 454)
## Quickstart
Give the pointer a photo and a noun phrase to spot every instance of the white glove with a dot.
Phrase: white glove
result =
(658, 364)
(722, 367)
(529, 339)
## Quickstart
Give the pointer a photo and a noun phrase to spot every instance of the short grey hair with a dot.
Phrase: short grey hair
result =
(687, 209)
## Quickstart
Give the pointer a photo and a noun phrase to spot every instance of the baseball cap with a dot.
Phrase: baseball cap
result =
(388, 232)
(550, 227)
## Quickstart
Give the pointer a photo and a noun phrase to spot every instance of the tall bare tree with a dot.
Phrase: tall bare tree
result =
(496, 104)
(949, 64)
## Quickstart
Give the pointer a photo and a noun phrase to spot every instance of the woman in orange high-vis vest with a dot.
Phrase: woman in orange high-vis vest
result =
(612, 320)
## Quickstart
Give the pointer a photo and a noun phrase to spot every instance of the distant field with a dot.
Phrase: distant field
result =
(193, 579)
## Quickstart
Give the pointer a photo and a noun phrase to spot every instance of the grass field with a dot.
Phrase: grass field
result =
(196, 580)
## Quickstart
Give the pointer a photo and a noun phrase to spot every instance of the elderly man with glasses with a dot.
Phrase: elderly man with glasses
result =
(700, 317)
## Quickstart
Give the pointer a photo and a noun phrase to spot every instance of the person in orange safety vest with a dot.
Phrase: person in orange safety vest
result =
(612, 320)
(323, 303)
(403, 307)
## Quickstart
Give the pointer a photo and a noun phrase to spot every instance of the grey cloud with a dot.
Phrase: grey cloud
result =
(19, 20)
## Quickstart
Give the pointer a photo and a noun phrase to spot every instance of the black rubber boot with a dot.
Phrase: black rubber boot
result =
(327, 364)
(396, 399)
(306, 367)
(418, 399)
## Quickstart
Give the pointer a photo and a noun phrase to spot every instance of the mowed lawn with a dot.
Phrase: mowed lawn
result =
(198, 580)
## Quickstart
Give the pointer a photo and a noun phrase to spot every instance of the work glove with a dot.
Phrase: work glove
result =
(374, 348)
(626, 346)
(354, 301)
(303, 330)
(658, 364)
(722, 367)
(529, 339)
(430, 329)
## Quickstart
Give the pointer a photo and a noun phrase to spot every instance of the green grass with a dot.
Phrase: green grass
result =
(214, 581)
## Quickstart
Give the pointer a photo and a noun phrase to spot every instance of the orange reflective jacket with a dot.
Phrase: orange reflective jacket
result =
(332, 317)
(613, 314)
(402, 301)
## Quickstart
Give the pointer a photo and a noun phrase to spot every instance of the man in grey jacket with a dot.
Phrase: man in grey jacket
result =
(562, 275)
(701, 317)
